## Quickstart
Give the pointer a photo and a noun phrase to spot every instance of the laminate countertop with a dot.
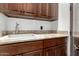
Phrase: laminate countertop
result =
(14, 38)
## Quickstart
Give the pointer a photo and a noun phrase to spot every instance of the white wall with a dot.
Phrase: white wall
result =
(54, 25)
(3, 20)
(26, 24)
(76, 17)
(64, 17)
(64, 21)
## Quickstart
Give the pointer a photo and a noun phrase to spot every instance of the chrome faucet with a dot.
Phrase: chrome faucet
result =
(16, 28)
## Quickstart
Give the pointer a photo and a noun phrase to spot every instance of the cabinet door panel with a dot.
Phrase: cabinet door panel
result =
(1, 6)
(13, 8)
(48, 10)
(49, 43)
(4, 6)
(49, 51)
(21, 8)
(30, 9)
(60, 50)
(34, 53)
(44, 10)
(54, 12)
(35, 9)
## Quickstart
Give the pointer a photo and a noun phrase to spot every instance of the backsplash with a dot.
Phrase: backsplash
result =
(7, 26)
(32, 32)
(26, 24)
(0, 34)
(3, 33)
(3, 20)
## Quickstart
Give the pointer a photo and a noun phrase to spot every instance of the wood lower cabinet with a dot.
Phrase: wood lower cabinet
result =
(45, 47)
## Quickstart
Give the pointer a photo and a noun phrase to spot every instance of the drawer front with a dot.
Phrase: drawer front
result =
(30, 46)
(53, 42)
(60, 41)
(49, 43)
(8, 50)
(18, 48)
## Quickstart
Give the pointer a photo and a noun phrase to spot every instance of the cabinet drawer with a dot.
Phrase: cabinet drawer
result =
(14, 49)
(30, 46)
(49, 43)
(53, 42)
(60, 41)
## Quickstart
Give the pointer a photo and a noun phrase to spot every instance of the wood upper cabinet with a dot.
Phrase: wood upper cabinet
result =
(41, 11)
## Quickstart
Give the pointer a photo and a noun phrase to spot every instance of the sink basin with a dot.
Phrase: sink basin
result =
(21, 36)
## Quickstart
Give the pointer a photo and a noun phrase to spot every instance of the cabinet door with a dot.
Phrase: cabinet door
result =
(60, 50)
(44, 10)
(30, 9)
(3, 7)
(54, 12)
(21, 8)
(13, 8)
(34, 53)
(49, 51)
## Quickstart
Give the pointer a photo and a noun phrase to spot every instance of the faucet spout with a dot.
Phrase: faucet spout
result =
(16, 28)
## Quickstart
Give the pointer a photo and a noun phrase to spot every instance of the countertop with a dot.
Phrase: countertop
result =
(7, 40)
